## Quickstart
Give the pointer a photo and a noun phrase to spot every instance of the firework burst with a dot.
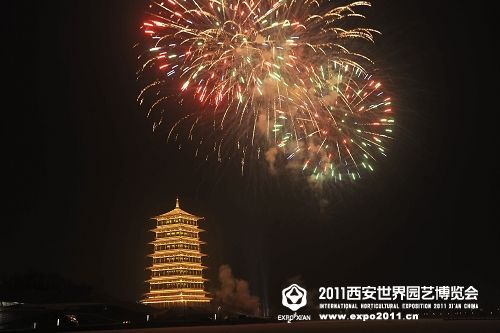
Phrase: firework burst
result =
(255, 67)
(344, 129)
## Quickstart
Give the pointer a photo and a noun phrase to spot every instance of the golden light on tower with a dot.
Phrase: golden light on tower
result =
(177, 270)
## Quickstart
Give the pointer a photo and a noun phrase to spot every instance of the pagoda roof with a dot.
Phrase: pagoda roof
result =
(176, 265)
(177, 252)
(177, 240)
(177, 227)
(177, 211)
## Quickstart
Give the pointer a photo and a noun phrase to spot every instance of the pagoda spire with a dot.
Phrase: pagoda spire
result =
(177, 202)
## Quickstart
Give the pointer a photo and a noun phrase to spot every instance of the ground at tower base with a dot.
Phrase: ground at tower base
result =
(425, 325)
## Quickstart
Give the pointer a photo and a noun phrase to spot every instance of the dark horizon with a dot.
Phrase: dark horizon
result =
(85, 172)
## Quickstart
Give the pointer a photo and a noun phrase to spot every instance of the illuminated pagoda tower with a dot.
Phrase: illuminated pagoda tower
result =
(177, 270)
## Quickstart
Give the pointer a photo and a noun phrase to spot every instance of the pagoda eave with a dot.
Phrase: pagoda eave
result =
(174, 266)
(176, 212)
(176, 252)
(177, 226)
(165, 279)
(176, 239)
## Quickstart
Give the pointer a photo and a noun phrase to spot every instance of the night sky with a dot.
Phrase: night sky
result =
(85, 171)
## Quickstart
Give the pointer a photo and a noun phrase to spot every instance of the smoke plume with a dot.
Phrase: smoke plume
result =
(234, 294)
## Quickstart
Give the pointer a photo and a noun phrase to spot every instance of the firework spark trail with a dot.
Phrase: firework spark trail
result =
(263, 73)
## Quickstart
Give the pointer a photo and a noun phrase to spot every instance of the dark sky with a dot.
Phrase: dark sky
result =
(85, 172)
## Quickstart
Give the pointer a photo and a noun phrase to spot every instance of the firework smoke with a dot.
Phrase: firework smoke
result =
(234, 294)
